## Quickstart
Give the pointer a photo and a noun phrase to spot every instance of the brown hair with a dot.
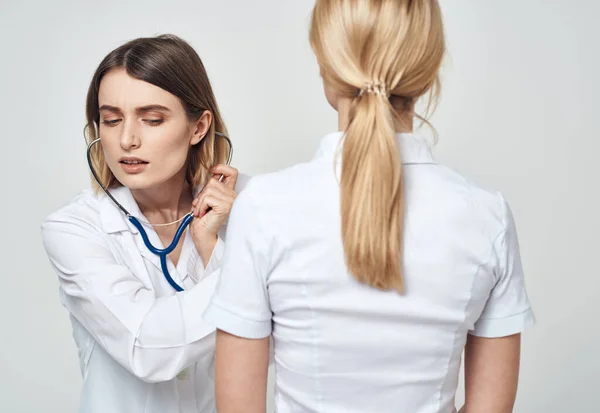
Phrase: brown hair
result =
(170, 63)
(384, 55)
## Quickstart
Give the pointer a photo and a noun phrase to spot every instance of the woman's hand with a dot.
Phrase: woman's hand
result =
(211, 208)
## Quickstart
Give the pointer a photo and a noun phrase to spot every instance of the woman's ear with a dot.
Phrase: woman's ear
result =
(201, 127)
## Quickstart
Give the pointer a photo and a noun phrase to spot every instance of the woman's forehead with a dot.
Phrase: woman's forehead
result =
(120, 90)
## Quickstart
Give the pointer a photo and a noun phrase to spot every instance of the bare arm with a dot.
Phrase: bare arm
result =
(491, 374)
(241, 370)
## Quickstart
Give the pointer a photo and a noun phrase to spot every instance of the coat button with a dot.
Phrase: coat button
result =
(183, 374)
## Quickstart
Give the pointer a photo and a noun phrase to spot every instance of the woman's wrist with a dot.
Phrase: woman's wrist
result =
(205, 246)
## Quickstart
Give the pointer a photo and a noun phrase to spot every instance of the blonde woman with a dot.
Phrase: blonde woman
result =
(372, 266)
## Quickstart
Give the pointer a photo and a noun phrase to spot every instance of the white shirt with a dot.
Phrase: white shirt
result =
(341, 346)
(142, 347)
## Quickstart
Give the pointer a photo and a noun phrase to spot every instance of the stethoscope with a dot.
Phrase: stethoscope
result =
(185, 220)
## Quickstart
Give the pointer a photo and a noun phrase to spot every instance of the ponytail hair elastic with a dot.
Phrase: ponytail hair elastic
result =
(377, 88)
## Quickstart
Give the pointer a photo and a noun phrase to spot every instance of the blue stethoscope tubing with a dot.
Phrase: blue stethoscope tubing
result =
(162, 253)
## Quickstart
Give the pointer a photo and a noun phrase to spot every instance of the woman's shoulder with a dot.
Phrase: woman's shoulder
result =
(242, 181)
(83, 208)
(277, 192)
(461, 198)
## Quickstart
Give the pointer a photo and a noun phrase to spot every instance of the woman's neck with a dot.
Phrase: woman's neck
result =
(403, 122)
(166, 202)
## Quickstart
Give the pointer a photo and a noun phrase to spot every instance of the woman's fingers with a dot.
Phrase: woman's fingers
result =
(212, 205)
(229, 174)
(214, 186)
(214, 197)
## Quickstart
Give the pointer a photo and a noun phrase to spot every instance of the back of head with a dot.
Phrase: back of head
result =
(169, 62)
(383, 55)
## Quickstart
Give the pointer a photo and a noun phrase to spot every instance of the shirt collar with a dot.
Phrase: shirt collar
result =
(413, 148)
(113, 219)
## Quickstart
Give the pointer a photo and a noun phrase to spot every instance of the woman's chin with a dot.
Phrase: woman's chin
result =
(136, 182)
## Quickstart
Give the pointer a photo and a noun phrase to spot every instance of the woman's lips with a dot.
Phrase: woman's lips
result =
(133, 165)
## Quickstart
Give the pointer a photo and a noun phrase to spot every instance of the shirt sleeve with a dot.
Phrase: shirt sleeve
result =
(152, 337)
(508, 310)
(196, 267)
(240, 305)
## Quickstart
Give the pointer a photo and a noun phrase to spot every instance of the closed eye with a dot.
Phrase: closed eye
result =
(111, 122)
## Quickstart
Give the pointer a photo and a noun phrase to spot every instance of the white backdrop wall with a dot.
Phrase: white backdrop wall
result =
(518, 113)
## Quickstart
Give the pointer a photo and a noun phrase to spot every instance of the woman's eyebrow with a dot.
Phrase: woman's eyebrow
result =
(109, 108)
(150, 108)
(141, 109)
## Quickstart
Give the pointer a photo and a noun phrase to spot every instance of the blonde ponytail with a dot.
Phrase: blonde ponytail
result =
(397, 47)
(371, 194)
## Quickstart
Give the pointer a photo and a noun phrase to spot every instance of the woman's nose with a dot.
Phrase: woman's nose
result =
(130, 138)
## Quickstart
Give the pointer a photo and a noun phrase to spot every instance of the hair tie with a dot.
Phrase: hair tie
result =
(377, 88)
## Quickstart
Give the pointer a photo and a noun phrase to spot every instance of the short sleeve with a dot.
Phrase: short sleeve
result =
(508, 310)
(240, 305)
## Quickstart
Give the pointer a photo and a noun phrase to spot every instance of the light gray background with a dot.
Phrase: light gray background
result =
(519, 113)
